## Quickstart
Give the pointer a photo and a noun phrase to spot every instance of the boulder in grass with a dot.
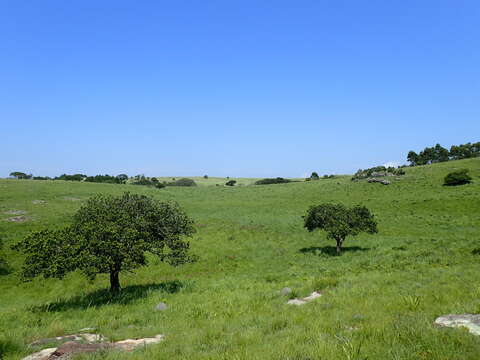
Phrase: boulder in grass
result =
(161, 306)
(302, 301)
(285, 291)
(469, 321)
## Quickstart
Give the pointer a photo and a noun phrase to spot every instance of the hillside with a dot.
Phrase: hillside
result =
(379, 301)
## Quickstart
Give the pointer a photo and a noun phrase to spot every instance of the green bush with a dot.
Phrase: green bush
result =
(183, 182)
(231, 183)
(268, 181)
(459, 177)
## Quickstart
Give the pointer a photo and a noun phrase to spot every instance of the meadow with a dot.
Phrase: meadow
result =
(380, 297)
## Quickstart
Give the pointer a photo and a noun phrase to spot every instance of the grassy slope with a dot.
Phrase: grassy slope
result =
(389, 287)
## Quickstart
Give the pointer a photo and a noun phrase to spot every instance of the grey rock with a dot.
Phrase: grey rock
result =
(384, 182)
(15, 212)
(41, 355)
(285, 291)
(161, 306)
(469, 321)
(302, 301)
(71, 348)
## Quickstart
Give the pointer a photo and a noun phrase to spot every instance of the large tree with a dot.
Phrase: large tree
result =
(339, 221)
(109, 235)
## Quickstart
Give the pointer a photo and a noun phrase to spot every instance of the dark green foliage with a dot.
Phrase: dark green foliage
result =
(205, 176)
(465, 151)
(20, 175)
(108, 235)
(314, 176)
(231, 183)
(42, 178)
(122, 177)
(338, 221)
(75, 177)
(142, 180)
(459, 177)
(377, 171)
(105, 179)
(268, 181)
(183, 182)
(435, 154)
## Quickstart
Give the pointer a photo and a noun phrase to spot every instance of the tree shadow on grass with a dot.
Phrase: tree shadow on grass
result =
(331, 250)
(102, 297)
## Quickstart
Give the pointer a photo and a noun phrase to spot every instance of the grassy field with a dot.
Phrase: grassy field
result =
(379, 301)
(215, 181)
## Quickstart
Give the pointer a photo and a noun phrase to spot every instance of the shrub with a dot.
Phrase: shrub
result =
(459, 177)
(268, 181)
(314, 176)
(75, 177)
(339, 221)
(183, 182)
(108, 235)
(231, 183)
(205, 176)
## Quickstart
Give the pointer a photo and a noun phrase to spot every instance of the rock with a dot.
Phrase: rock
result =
(384, 182)
(19, 219)
(130, 344)
(66, 350)
(89, 338)
(469, 321)
(161, 307)
(296, 302)
(285, 291)
(314, 295)
(41, 355)
(70, 348)
(15, 212)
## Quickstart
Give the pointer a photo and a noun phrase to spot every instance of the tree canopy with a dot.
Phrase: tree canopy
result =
(438, 153)
(338, 221)
(108, 235)
(20, 175)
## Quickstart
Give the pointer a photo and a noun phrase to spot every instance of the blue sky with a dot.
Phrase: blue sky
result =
(233, 88)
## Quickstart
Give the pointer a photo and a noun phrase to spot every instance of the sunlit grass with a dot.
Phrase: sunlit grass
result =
(380, 297)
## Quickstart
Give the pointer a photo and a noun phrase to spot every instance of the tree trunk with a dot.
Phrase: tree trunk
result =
(114, 282)
(339, 246)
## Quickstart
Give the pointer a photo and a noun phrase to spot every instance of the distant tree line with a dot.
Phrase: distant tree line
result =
(438, 153)
(314, 176)
(119, 179)
(142, 180)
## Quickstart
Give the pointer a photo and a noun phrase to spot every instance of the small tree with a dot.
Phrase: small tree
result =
(459, 177)
(20, 175)
(231, 183)
(339, 221)
(109, 235)
(314, 176)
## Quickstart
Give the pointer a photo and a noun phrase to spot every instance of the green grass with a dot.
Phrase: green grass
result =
(380, 297)
(215, 181)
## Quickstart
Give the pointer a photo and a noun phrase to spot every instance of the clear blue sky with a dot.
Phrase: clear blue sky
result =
(233, 88)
